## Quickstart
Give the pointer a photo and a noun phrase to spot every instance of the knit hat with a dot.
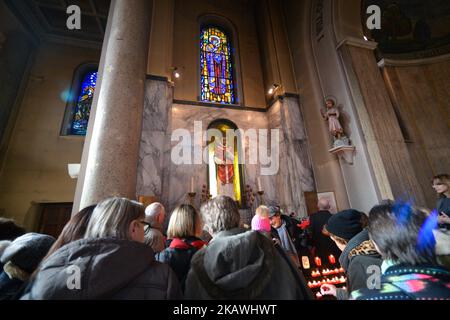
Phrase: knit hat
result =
(260, 223)
(27, 251)
(345, 224)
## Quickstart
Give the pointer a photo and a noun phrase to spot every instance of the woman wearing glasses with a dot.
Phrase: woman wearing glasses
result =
(183, 232)
(111, 262)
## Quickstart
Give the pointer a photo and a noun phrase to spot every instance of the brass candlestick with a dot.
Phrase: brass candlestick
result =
(191, 196)
(260, 194)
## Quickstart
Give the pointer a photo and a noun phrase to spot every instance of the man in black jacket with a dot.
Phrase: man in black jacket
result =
(323, 245)
(285, 230)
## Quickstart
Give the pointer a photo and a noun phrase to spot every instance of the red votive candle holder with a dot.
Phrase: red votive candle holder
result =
(332, 259)
(318, 261)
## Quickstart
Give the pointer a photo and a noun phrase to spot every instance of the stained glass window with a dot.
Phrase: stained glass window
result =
(216, 67)
(83, 105)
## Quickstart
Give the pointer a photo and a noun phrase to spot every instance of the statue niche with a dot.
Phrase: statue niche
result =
(224, 171)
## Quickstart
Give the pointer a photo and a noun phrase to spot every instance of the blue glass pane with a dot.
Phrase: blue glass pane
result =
(84, 102)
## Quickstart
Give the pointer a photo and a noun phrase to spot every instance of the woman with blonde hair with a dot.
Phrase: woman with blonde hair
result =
(111, 262)
(183, 232)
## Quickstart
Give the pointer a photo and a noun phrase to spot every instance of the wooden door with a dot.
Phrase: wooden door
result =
(54, 217)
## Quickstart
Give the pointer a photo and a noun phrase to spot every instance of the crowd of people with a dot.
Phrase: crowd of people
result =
(119, 249)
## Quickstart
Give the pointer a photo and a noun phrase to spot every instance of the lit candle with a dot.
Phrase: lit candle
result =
(258, 184)
(332, 259)
(305, 262)
(192, 185)
(318, 261)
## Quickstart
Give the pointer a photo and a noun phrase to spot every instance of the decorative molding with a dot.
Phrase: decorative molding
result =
(218, 105)
(355, 42)
(66, 41)
(157, 78)
(385, 62)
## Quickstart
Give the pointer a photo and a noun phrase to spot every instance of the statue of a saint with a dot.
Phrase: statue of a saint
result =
(224, 158)
(331, 113)
(216, 65)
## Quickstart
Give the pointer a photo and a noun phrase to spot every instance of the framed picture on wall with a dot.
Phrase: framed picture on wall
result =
(331, 198)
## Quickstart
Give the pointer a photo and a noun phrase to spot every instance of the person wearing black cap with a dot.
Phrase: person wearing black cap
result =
(286, 232)
(20, 259)
(347, 229)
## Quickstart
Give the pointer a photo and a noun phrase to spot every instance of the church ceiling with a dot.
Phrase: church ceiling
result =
(414, 27)
(47, 19)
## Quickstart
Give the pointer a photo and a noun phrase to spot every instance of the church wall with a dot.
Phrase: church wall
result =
(183, 117)
(161, 39)
(160, 176)
(275, 52)
(186, 38)
(420, 94)
(386, 131)
(36, 164)
(326, 168)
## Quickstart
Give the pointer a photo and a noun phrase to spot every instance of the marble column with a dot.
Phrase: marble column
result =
(295, 176)
(113, 148)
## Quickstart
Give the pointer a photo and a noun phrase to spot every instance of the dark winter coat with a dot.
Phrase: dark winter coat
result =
(323, 244)
(298, 236)
(358, 255)
(409, 283)
(178, 255)
(108, 269)
(443, 205)
(9, 288)
(241, 265)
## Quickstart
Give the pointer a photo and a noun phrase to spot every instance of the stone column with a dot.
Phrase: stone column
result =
(111, 152)
(391, 161)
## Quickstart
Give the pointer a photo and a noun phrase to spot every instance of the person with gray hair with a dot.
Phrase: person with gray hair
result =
(239, 264)
(154, 232)
(155, 215)
(111, 262)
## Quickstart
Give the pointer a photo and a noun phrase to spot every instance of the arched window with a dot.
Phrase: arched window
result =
(217, 83)
(79, 100)
(84, 102)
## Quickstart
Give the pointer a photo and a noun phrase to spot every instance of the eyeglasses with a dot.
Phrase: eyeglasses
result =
(147, 226)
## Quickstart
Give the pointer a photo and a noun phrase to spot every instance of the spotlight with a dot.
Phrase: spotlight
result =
(175, 73)
(273, 88)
